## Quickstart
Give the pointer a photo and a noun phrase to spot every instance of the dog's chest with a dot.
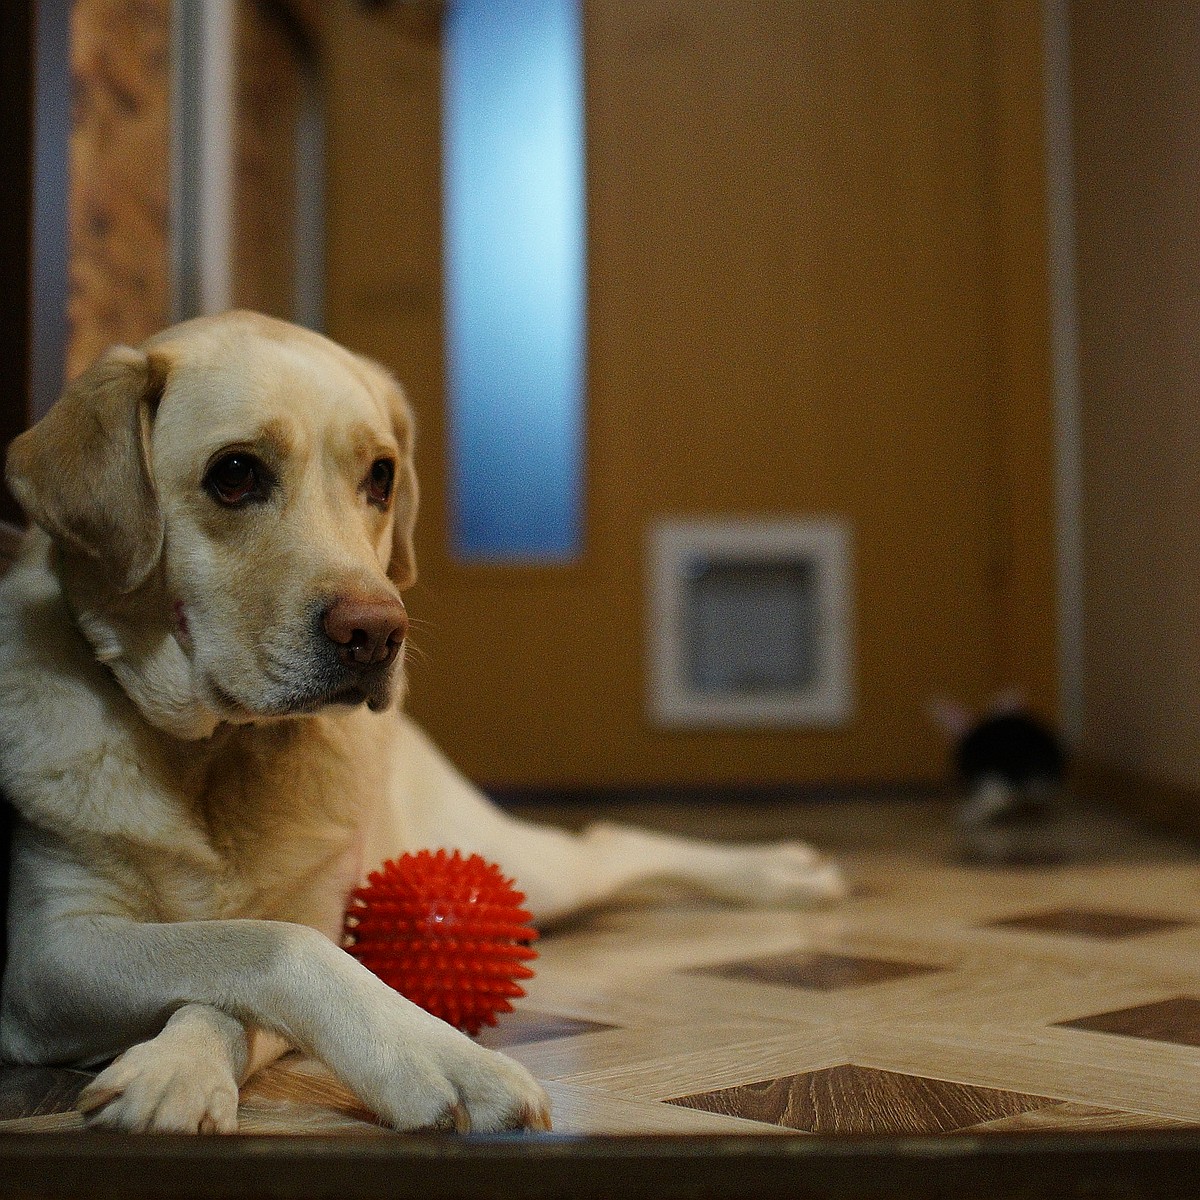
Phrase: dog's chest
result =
(285, 816)
(306, 878)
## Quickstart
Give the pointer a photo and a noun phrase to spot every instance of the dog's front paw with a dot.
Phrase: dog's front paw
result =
(460, 1086)
(501, 1095)
(783, 873)
(154, 1088)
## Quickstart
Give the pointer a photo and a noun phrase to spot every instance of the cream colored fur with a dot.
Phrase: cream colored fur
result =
(193, 807)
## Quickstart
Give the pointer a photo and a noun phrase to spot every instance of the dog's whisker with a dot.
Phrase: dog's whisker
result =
(415, 652)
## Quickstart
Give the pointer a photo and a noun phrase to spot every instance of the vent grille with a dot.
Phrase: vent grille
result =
(750, 623)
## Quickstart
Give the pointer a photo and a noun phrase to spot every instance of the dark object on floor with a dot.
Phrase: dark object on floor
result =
(1012, 768)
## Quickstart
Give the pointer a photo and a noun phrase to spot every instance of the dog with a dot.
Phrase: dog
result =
(201, 731)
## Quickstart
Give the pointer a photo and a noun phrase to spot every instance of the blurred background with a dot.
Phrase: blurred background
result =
(853, 366)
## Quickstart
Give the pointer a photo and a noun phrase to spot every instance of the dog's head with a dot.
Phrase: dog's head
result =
(233, 504)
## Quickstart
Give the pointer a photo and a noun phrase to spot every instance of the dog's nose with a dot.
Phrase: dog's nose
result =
(368, 633)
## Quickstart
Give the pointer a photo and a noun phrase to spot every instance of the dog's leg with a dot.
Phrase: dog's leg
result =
(562, 873)
(263, 1047)
(182, 1081)
(114, 980)
(185, 1080)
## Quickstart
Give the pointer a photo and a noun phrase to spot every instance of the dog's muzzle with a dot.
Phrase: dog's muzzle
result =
(350, 661)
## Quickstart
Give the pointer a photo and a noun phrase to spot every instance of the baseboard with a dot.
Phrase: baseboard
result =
(1171, 805)
(690, 796)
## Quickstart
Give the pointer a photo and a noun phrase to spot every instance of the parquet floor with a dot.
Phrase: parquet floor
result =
(939, 997)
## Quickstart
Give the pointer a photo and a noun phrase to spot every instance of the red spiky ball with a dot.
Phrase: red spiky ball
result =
(447, 932)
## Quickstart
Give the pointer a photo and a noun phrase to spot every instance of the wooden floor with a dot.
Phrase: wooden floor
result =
(940, 997)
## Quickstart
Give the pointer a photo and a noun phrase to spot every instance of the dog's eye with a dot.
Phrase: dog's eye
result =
(237, 477)
(379, 481)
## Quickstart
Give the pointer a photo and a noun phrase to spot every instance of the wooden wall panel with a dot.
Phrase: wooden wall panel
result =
(120, 175)
(1027, 626)
(267, 103)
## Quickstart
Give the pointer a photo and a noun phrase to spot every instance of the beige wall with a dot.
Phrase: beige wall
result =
(1137, 147)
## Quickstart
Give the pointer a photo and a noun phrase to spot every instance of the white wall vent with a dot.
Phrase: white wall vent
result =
(750, 623)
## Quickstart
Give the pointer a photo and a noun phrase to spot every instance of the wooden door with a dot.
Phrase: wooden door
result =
(816, 285)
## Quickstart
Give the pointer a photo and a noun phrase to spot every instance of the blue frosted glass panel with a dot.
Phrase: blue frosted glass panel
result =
(514, 234)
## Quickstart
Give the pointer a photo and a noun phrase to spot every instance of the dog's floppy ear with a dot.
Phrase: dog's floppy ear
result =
(402, 566)
(83, 471)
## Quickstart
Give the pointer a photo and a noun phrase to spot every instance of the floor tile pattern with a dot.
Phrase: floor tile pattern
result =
(1176, 1020)
(853, 1099)
(940, 996)
(527, 1025)
(1090, 923)
(823, 972)
(38, 1091)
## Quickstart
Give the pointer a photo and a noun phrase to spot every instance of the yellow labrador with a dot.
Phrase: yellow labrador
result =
(200, 729)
